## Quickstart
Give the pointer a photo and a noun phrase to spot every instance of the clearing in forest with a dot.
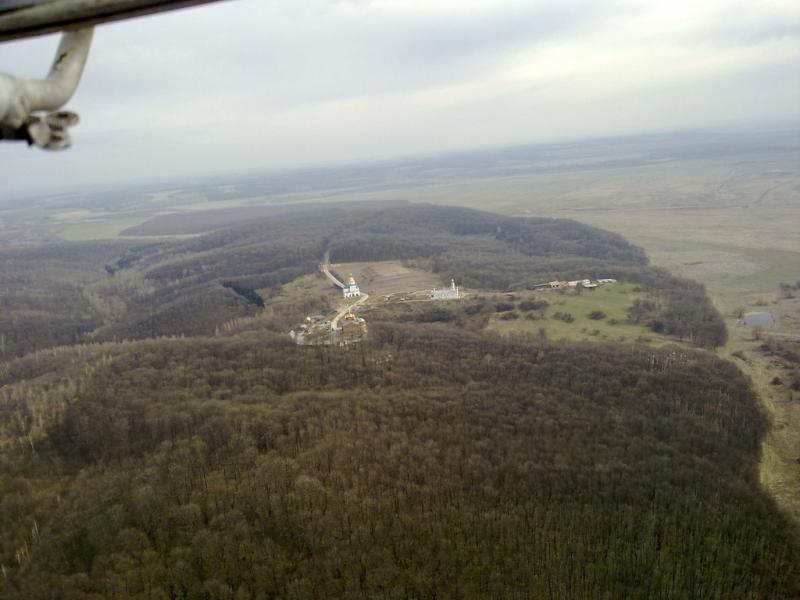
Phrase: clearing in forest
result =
(567, 315)
(382, 278)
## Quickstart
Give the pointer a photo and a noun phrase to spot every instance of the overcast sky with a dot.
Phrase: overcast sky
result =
(263, 84)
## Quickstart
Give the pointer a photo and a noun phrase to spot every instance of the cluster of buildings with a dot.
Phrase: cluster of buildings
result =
(315, 330)
(350, 328)
(318, 330)
(584, 283)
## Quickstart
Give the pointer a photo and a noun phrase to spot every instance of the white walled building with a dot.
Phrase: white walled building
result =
(450, 293)
(350, 290)
(583, 282)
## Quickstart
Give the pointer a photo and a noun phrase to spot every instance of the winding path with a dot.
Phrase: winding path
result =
(325, 267)
(343, 311)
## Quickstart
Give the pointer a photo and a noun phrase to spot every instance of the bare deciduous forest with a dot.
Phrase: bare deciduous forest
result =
(149, 457)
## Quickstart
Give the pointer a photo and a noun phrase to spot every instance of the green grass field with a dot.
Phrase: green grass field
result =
(612, 299)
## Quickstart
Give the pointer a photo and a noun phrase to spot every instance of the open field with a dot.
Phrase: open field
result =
(780, 472)
(780, 459)
(613, 300)
(88, 229)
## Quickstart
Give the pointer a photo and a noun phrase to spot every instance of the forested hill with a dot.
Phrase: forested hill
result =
(138, 290)
(424, 463)
(528, 236)
(428, 461)
(481, 250)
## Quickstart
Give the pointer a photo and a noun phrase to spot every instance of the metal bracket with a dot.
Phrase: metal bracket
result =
(21, 98)
(26, 18)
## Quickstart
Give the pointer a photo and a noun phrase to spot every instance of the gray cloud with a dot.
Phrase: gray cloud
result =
(283, 59)
(252, 83)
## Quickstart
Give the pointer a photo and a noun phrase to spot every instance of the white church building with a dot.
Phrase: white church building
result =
(449, 293)
(350, 290)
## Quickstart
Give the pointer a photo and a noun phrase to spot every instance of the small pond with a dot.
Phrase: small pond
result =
(759, 319)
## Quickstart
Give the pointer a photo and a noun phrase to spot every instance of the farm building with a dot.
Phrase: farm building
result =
(557, 285)
(450, 293)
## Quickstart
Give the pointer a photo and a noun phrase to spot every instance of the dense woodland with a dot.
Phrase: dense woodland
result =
(45, 297)
(430, 461)
(425, 463)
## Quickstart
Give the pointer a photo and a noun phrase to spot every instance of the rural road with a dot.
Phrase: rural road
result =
(343, 311)
(325, 267)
